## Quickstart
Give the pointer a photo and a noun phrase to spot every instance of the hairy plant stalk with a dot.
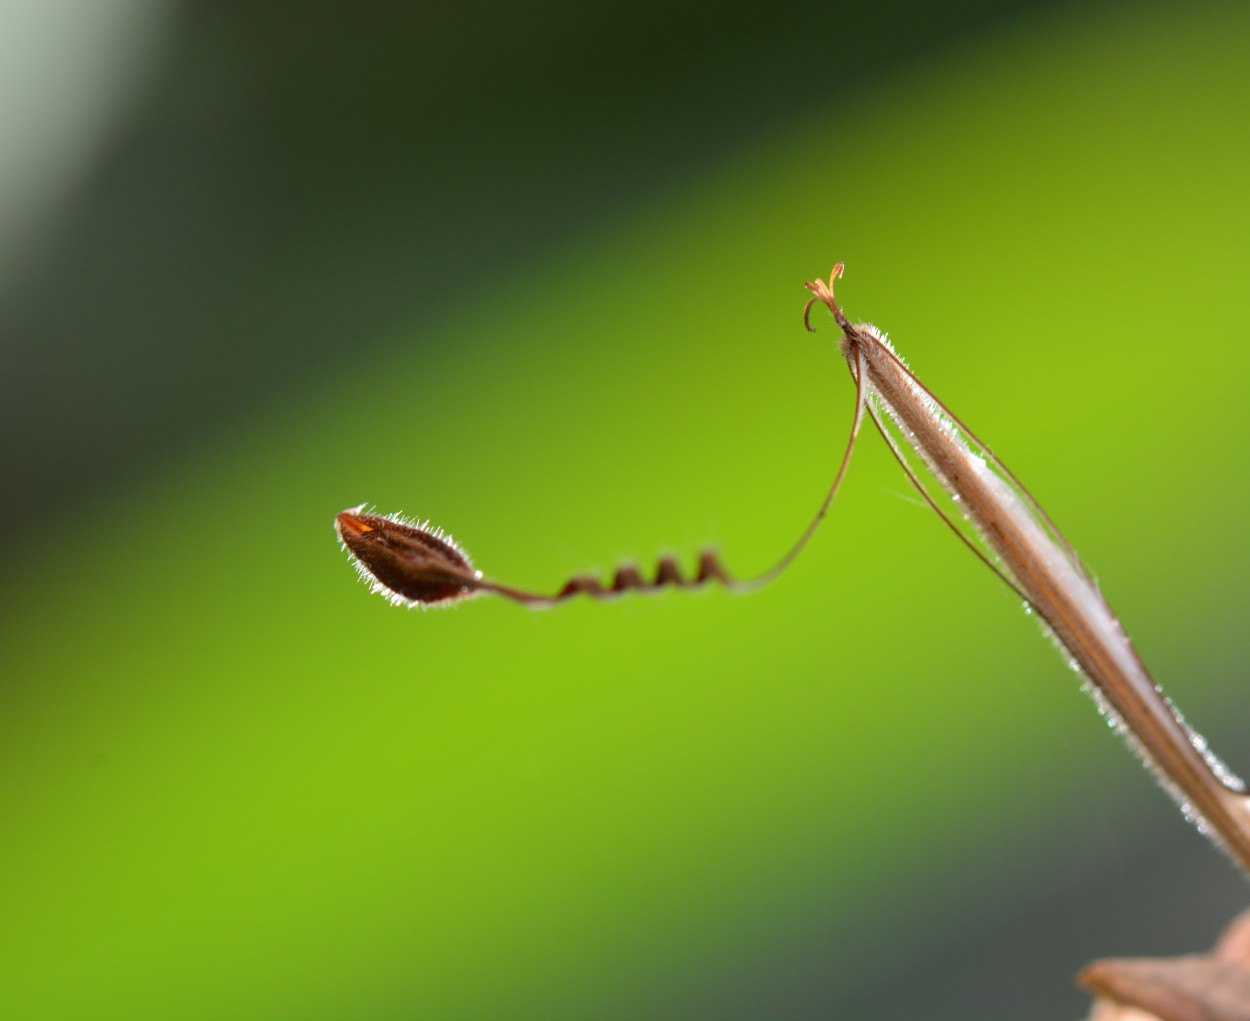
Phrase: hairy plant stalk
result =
(1030, 555)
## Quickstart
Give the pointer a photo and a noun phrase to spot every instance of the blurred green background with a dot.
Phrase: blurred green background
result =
(534, 271)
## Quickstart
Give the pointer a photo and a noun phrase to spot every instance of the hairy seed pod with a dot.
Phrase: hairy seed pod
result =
(407, 563)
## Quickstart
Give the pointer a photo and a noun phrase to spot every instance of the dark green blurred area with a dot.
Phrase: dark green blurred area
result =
(535, 273)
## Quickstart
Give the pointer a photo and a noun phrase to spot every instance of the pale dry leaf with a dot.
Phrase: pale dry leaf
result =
(1197, 987)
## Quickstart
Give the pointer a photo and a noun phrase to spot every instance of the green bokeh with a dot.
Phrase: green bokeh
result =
(236, 785)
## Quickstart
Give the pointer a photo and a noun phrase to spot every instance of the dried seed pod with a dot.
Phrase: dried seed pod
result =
(410, 564)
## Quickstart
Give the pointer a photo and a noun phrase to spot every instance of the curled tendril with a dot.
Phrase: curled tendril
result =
(414, 565)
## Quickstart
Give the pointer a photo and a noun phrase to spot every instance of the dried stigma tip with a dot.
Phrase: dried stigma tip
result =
(823, 292)
(408, 564)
